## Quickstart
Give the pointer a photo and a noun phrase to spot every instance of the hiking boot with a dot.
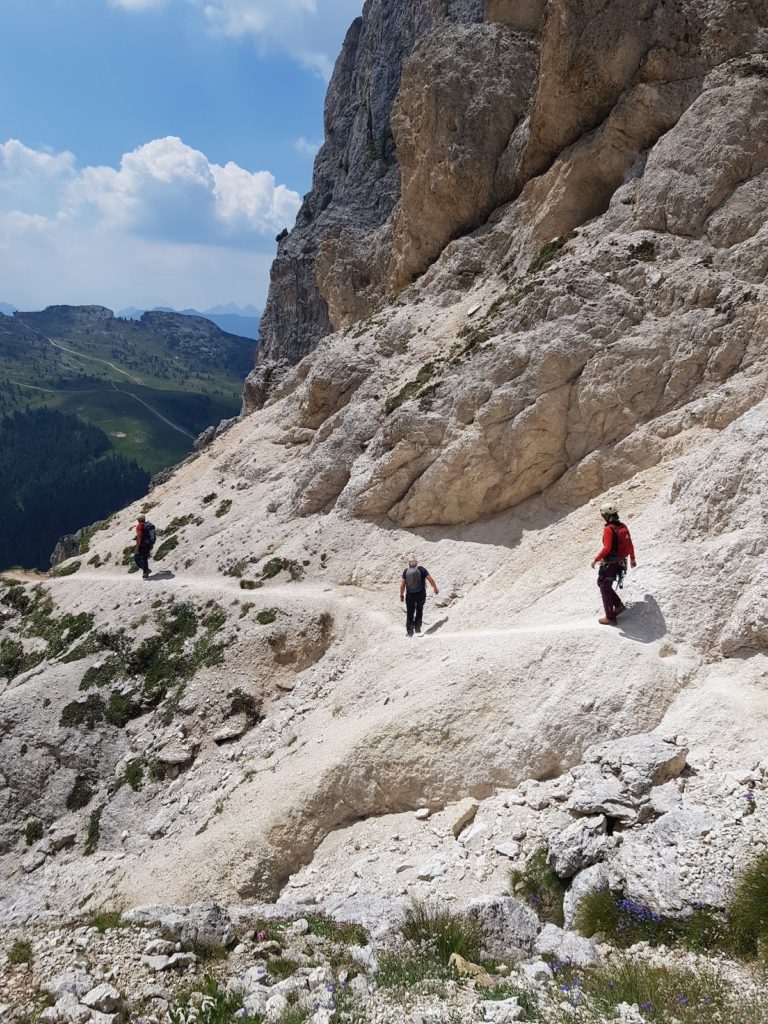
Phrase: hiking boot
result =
(604, 621)
(418, 629)
(145, 576)
(620, 610)
(409, 633)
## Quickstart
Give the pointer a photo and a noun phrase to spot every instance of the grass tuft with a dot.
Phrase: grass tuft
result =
(541, 888)
(644, 251)
(748, 918)
(442, 931)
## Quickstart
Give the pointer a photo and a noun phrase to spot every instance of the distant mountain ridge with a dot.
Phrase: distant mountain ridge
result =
(242, 321)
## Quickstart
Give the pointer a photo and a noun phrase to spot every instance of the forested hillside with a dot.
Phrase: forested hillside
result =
(151, 384)
(58, 473)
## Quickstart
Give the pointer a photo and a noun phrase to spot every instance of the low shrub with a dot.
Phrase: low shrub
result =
(209, 498)
(408, 969)
(442, 932)
(94, 830)
(267, 616)
(644, 251)
(106, 920)
(410, 390)
(249, 585)
(66, 570)
(20, 952)
(33, 831)
(168, 545)
(277, 565)
(80, 795)
(541, 888)
(345, 932)
(134, 774)
(547, 254)
(223, 508)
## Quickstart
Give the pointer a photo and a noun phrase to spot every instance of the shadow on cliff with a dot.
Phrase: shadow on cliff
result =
(643, 621)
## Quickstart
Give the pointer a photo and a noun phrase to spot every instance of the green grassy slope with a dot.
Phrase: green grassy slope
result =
(152, 385)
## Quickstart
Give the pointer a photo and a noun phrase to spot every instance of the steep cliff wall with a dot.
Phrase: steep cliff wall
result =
(356, 180)
(564, 99)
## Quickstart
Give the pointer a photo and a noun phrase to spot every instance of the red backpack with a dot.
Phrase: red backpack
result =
(622, 543)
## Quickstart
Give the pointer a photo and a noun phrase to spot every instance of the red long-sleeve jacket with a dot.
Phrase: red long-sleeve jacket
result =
(607, 547)
(139, 534)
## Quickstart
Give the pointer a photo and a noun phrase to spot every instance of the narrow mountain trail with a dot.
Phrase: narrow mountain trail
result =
(94, 359)
(382, 612)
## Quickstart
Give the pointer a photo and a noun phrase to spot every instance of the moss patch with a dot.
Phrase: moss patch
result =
(410, 390)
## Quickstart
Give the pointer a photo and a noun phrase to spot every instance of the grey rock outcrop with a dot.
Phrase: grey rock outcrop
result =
(356, 179)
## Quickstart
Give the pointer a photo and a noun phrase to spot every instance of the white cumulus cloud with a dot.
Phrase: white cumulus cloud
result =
(306, 147)
(311, 31)
(166, 206)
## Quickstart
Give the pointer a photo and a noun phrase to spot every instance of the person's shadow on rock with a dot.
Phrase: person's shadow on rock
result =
(643, 621)
(166, 574)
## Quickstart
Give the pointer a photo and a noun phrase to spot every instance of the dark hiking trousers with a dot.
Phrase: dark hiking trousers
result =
(414, 604)
(141, 558)
(606, 577)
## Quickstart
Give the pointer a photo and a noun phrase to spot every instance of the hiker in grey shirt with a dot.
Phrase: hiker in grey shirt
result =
(413, 590)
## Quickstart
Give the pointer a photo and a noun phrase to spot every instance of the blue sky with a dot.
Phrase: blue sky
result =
(150, 150)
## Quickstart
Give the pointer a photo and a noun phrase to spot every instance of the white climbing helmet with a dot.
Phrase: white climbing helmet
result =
(609, 510)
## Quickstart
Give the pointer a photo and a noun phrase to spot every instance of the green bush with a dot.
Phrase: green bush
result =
(249, 585)
(80, 795)
(66, 570)
(546, 254)
(94, 830)
(33, 831)
(748, 918)
(20, 952)
(410, 390)
(277, 565)
(541, 888)
(442, 931)
(168, 545)
(134, 774)
(223, 508)
(267, 616)
(644, 251)
(105, 920)
(209, 498)
(83, 712)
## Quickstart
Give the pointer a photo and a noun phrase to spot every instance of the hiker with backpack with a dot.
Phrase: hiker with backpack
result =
(145, 539)
(413, 590)
(617, 547)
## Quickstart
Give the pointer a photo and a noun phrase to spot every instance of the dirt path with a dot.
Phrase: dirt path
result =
(170, 423)
(94, 359)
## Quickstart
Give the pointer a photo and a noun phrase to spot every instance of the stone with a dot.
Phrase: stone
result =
(156, 961)
(32, 861)
(104, 998)
(578, 846)
(433, 868)
(510, 849)
(509, 928)
(159, 947)
(462, 815)
(205, 922)
(568, 947)
(502, 1011)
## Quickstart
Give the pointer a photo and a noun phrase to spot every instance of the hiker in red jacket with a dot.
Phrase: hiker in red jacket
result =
(145, 539)
(617, 547)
